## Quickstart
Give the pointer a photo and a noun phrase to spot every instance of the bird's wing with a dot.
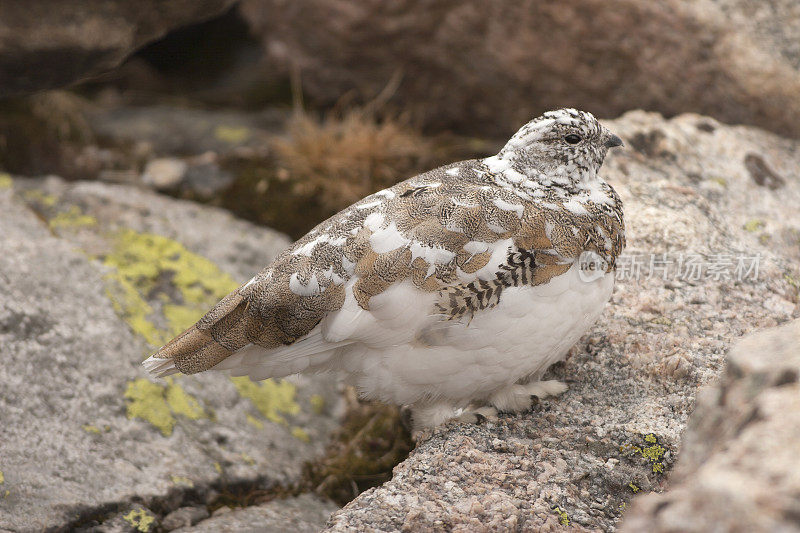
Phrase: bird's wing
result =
(429, 249)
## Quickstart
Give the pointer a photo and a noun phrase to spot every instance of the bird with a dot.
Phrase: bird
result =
(449, 293)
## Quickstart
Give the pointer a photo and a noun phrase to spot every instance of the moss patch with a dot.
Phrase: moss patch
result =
(272, 398)
(160, 404)
(151, 268)
(370, 443)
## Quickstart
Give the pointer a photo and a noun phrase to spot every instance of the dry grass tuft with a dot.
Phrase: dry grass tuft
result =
(341, 159)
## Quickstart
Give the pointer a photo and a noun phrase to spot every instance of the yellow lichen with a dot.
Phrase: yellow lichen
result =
(317, 403)
(181, 403)
(145, 267)
(158, 404)
(5, 181)
(563, 517)
(272, 398)
(654, 453)
(140, 519)
(88, 428)
(147, 402)
(300, 434)
(255, 422)
(218, 468)
(753, 225)
(72, 218)
(39, 197)
(247, 459)
(232, 134)
(181, 480)
(2, 478)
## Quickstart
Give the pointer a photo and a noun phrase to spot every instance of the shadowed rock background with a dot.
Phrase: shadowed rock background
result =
(155, 154)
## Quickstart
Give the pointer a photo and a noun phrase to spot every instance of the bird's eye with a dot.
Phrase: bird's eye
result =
(573, 138)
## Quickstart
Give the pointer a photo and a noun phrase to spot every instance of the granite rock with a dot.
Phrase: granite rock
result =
(738, 469)
(92, 277)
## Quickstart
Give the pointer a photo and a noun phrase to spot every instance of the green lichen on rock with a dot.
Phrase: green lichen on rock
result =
(2, 478)
(272, 398)
(140, 520)
(89, 428)
(160, 404)
(148, 268)
(5, 181)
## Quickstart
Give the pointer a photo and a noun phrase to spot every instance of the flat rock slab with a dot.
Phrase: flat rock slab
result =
(713, 224)
(303, 514)
(92, 277)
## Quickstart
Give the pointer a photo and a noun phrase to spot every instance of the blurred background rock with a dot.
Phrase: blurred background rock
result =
(282, 113)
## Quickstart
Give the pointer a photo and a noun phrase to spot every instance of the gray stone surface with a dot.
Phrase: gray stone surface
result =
(739, 468)
(691, 190)
(83, 431)
(184, 517)
(45, 44)
(488, 67)
(301, 514)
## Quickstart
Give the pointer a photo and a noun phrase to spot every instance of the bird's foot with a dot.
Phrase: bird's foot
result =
(429, 416)
(521, 396)
(479, 415)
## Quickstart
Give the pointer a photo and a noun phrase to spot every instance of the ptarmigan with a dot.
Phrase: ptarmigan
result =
(451, 292)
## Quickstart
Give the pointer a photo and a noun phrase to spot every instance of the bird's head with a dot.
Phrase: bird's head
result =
(565, 147)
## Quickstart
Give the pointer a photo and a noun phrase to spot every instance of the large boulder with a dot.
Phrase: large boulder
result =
(45, 44)
(92, 277)
(486, 67)
(738, 469)
(713, 224)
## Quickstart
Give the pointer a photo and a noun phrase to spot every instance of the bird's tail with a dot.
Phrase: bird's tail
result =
(221, 332)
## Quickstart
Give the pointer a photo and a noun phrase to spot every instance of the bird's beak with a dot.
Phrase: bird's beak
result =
(613, 141)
